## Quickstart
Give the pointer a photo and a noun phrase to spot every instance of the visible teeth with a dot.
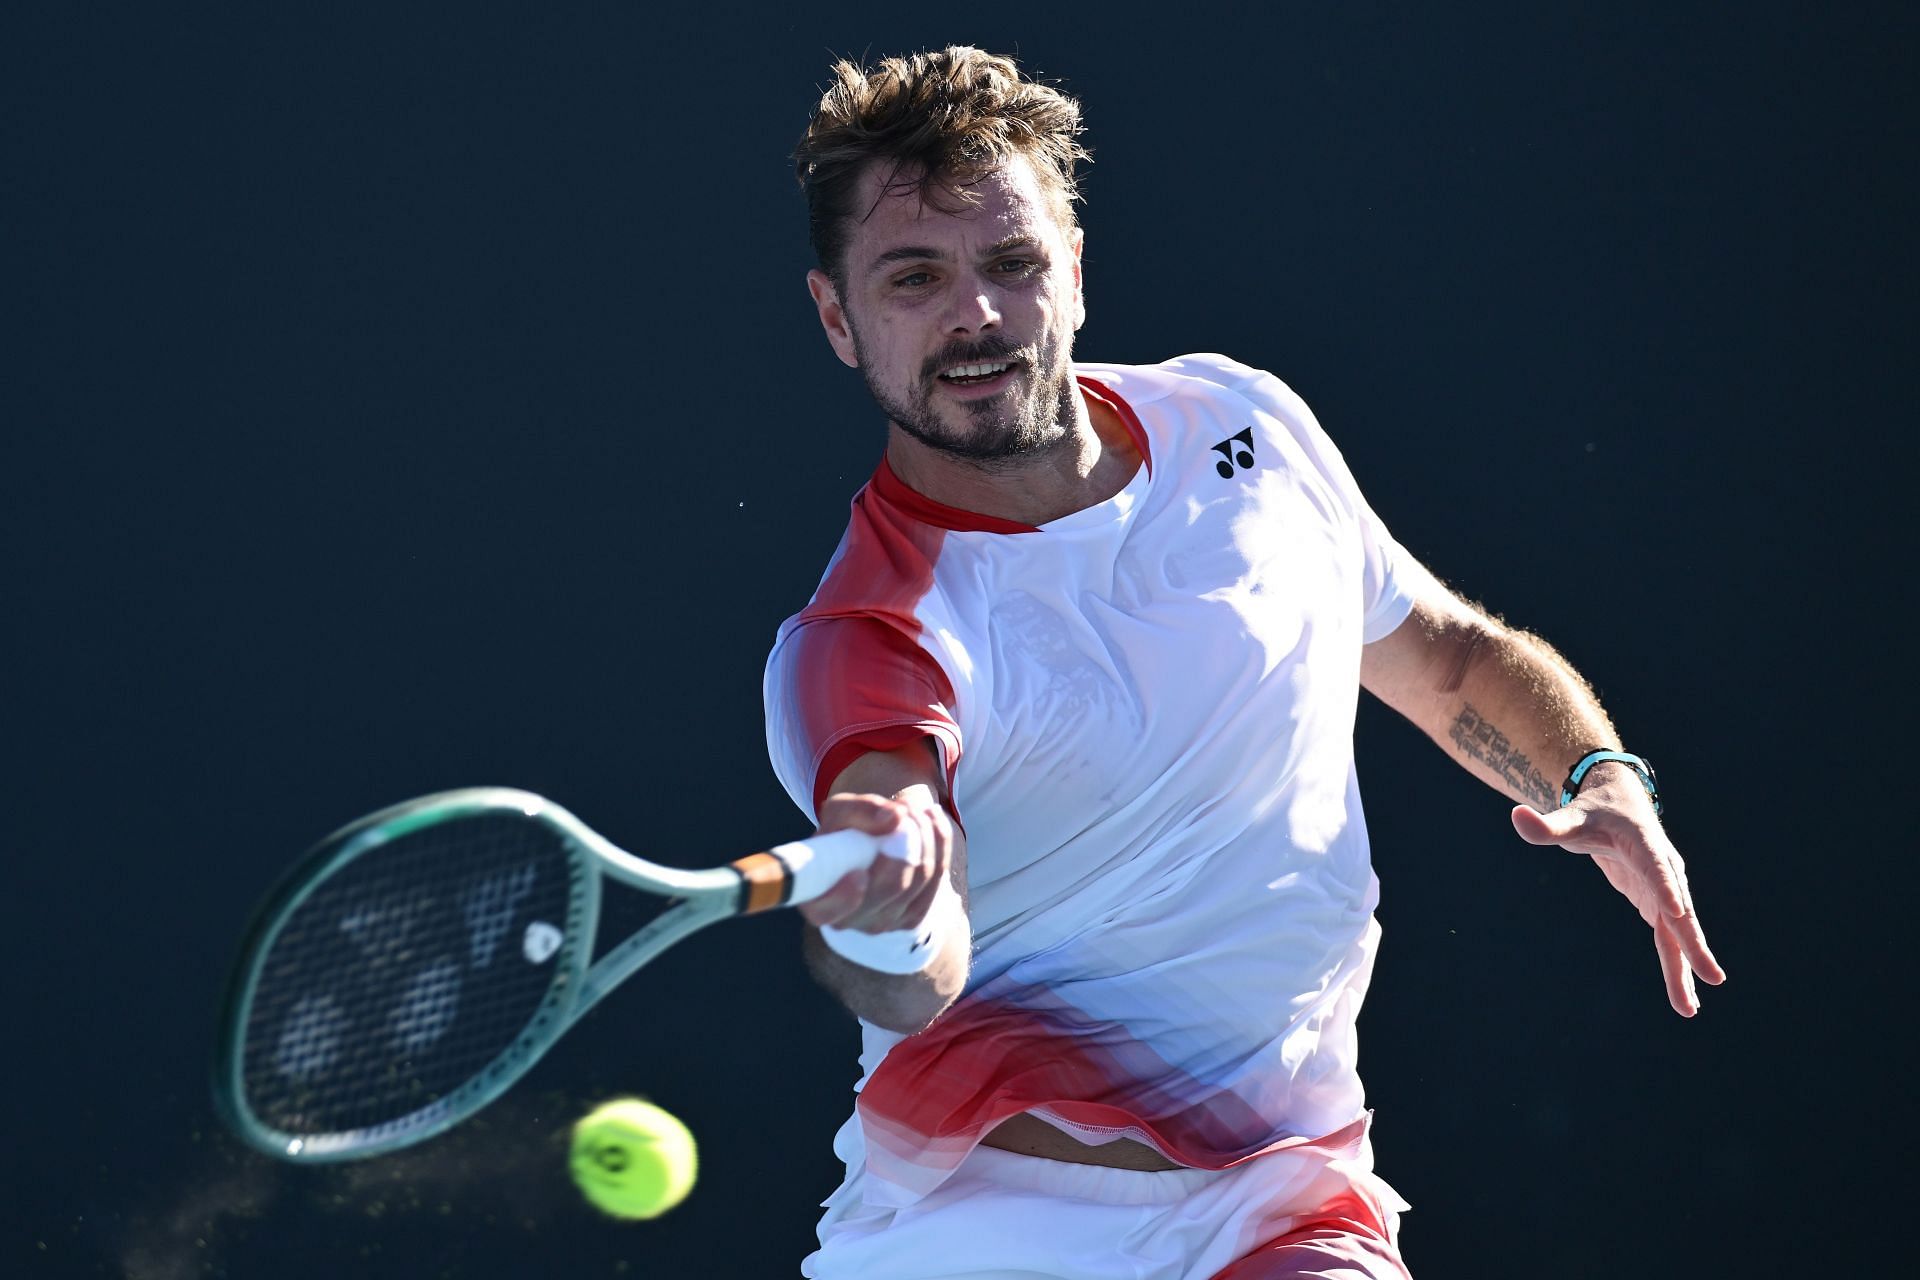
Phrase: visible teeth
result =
(976, 370)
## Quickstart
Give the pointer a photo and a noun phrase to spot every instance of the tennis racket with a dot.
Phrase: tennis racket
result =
(419, 961)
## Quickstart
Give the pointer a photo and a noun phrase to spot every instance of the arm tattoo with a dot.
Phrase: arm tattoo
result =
(1458, 675)
(1477, 740)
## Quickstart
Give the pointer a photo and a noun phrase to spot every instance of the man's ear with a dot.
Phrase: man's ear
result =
(833, 317)
(1076, 239)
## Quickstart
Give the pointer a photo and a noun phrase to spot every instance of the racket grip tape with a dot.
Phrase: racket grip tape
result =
(806, 869)
(799, 872)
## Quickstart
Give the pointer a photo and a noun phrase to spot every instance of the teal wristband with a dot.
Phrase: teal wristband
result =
(1592, 758)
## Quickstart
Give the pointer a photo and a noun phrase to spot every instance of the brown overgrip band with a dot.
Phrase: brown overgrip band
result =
(765, 882)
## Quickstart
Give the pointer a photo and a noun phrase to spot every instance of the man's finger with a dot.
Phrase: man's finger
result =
(872, 814)
(1700, 958)
(1556, 827)
(839, 902)
(1673, 966)
(1680, 880)
(1665, 876)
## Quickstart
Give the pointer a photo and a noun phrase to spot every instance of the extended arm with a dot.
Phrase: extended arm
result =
(879, 793)
(1511, 710)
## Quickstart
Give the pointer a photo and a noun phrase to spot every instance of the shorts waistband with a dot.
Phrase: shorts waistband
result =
(1084, 1181)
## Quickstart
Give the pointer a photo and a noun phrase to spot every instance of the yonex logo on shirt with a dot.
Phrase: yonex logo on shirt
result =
(1242, 457)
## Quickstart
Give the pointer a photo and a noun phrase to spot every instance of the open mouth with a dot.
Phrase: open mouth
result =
(979, 374)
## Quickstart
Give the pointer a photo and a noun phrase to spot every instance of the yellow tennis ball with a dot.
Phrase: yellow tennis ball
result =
(631, 1159)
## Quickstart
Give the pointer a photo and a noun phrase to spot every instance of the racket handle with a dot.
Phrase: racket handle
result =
(819, 862)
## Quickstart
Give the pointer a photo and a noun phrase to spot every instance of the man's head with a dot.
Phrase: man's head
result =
(941, 191)
(931, 122)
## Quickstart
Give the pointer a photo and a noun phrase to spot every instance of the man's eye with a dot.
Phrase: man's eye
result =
(913, 279)
(1014, 266)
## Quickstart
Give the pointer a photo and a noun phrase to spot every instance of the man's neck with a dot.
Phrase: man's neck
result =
(1092, 461)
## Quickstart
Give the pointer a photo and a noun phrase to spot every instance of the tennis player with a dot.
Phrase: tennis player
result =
(1096, 634)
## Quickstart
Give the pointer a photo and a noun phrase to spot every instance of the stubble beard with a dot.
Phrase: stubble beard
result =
(997, 433)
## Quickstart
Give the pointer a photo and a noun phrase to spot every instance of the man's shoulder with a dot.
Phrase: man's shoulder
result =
(1199, 377)
(882, 574)
(1192, 374)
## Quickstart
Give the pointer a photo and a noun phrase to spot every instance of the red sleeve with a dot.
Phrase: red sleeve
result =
(839, 687)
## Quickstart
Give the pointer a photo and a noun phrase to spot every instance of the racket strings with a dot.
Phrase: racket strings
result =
(625, 911)
(408, 972)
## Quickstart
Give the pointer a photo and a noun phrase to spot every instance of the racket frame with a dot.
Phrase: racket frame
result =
(703, 897)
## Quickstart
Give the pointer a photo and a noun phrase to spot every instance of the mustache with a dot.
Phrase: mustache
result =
(981, 351)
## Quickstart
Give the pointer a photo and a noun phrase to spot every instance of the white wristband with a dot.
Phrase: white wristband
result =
(903, 950)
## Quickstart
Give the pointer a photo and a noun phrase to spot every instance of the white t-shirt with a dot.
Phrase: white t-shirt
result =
(1146, 713)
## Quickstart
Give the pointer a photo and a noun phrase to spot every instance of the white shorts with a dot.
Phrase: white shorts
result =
(1003, 1216)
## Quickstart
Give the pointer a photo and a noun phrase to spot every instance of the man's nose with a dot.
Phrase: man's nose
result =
(972, 309)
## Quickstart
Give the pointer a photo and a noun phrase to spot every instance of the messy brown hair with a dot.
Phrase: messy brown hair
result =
(938, 121)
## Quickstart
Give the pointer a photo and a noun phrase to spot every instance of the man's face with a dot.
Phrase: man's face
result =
(962, 321)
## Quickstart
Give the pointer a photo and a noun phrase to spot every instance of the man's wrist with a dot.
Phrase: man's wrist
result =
(903, 951)
(1625, 760)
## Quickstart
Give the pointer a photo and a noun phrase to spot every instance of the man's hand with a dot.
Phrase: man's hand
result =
(894, 892)
(1613, 822)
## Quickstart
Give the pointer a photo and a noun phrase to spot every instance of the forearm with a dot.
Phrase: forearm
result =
(1521, 716)
(878, 793)
(906, 1003)
(1501, 701)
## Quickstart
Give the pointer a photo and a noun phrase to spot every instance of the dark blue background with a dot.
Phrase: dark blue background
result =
(408, 397)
